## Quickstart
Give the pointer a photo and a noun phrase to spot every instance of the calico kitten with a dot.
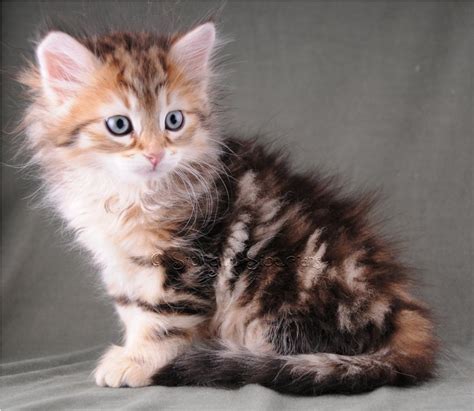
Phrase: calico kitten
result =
(226, 268)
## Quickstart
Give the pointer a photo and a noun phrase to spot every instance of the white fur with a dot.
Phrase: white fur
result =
(95, 191)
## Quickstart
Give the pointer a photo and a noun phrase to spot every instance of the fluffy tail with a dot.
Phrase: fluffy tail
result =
(407, 359)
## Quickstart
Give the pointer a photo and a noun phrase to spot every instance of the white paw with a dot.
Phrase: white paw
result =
(118, 369)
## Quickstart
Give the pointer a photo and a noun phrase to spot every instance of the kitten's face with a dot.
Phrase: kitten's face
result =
(137, 108)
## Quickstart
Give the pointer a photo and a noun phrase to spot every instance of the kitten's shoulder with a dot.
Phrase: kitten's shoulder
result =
(276, 172)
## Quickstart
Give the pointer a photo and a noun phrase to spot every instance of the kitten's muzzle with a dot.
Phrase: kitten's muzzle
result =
(155, 158)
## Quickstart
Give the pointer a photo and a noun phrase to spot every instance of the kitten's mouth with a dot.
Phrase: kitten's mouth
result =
(151, 171)
(156, 162)
(155, 170)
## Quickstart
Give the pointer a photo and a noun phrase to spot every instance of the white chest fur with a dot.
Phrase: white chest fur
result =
(104, 225)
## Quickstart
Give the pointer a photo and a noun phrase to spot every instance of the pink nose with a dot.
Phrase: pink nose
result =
(154, 158)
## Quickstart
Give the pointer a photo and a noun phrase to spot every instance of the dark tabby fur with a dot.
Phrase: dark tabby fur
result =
(398, 349)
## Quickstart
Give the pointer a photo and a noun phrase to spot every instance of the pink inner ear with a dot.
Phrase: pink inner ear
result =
(61, 67)
(65, 65)
(193, 50)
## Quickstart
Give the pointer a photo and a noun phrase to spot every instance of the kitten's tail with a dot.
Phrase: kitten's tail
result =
(304, 374)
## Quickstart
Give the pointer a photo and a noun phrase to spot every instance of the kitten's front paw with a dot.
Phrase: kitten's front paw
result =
(118, 369)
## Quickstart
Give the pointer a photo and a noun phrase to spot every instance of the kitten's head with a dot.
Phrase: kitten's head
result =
(134, 106)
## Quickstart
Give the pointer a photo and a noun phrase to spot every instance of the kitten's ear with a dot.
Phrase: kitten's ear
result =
(194, 49)
(65, 65)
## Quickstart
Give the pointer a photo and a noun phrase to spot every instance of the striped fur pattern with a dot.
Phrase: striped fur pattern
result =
(226, 267)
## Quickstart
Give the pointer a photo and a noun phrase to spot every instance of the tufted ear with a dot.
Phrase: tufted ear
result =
(193, 50)
(65, 65)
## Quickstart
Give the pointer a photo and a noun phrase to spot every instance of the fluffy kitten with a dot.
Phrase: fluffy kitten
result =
(226, 268)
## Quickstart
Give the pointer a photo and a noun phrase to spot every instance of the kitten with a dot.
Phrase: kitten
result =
(225, 267)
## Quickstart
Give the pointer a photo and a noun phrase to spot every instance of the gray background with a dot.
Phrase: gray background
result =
(379, 92)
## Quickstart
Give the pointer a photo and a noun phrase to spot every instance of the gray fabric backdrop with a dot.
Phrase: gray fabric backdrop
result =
(380, 92)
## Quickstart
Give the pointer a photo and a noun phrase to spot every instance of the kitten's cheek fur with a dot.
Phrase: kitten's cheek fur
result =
(128, 169)
(118, 369)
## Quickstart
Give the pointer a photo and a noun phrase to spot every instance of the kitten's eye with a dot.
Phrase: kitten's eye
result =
(174, 120)
(119, 125)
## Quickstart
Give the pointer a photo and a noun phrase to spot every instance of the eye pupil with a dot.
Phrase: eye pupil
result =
(174, 120)
(119, 125)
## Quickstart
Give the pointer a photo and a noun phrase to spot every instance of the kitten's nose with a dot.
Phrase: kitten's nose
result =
(154, 158)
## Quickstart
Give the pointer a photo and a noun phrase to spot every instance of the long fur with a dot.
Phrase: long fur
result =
(226, 267)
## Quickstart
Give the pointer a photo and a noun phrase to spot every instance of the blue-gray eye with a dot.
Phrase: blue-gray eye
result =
(174, 120)
(119, 125)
